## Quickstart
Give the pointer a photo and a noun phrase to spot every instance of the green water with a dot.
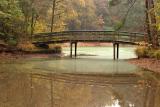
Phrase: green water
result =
(87, 81)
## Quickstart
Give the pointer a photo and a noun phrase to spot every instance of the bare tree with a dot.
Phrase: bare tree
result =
(131, 3)
(151, 23)
(149, 38)
(53, 14)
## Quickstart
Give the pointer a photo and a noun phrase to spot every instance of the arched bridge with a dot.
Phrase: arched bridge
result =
(88, 36)
(73, 37)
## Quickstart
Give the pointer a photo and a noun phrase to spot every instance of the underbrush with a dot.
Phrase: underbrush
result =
(147, 52)
(157, 54)
(31, 48)
(26, 46)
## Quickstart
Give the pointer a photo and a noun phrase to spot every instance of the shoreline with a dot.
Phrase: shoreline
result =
(147, 63)
(14, 56)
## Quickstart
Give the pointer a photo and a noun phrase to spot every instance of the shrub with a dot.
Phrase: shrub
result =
(11, 42)
(147, 52)
(29, 47)
(157, 54)
(144, 44)
(151, 53)
(56, 48)
(42, 46)
(142, 52)
(26, 46)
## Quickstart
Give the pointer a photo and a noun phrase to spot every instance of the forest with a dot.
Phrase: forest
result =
(20, 19)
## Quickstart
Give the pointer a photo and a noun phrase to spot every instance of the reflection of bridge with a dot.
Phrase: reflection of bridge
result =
(126, 88)
(89, 36)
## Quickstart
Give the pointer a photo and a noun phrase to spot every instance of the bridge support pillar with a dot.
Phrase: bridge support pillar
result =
(75, 49)
(71, 45)
(71, 49)
(115, 51)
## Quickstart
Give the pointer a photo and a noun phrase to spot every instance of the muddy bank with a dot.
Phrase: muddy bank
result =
(147, 63)
(12, 56)
(13, 52)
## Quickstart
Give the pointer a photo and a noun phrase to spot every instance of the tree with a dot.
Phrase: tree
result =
(122, 14)
(11, 21)
(152, 27)
(84, 15)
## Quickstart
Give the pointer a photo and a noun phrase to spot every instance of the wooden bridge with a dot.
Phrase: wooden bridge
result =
(88, 36)
(73, 37)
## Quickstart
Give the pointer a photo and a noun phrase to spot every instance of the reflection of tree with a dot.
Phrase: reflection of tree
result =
(114, 2)
(152, 96)
(83, 94)
(119, 97)
(115, 96)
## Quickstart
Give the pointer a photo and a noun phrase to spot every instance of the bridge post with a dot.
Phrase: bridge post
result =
(75, 49)
(114, 51)
(117, 50)
(71, 49)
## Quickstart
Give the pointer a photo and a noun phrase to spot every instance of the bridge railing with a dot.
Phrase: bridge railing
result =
(109, 36)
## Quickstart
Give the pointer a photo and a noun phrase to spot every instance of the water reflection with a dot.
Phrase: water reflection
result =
(116, 104)
(19, 90)
(126, 52)
(22, 86)
(84, 66)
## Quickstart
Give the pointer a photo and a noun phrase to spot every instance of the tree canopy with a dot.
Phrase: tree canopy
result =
(19, 19)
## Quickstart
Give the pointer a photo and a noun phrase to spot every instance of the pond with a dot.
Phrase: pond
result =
(78, 82)
(103, 52)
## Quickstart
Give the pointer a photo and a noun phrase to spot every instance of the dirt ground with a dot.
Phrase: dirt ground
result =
(147, 63)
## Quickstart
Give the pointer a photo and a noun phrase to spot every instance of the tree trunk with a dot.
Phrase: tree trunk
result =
(53, 13)
(32, 22)
(153, 26)
(148, 36)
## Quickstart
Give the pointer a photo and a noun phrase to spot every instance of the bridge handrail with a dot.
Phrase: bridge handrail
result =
(73, 32)
(89, 35)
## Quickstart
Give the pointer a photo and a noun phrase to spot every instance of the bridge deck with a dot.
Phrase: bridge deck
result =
(89, 36)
